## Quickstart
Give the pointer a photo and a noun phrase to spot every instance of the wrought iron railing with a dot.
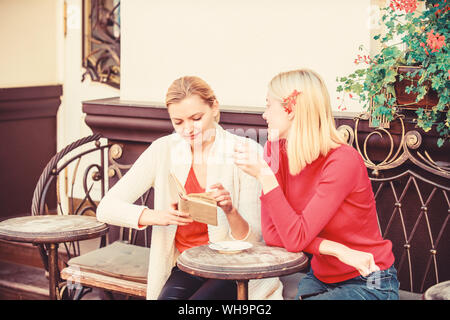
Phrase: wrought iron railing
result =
(412, 196)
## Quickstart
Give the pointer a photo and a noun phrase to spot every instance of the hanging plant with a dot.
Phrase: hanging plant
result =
(416, 66)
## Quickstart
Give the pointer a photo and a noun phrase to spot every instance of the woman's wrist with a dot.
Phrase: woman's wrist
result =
(232, 212)
(239, 227)
(332, 248)
(266, 177)
(268, 182)
(263, 169)
(147, 217)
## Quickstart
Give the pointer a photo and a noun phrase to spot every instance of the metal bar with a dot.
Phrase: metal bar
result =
(53, 273)
(242, 289)
(44, 194)
(412, 173)
(103, 173)
(79, 155)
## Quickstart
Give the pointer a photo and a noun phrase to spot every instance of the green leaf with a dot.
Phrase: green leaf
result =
(408, 89)
(419, 112)
(379, 100)
(391, 90)
(356, 88)
(390, 24)
(390, 76)
(422, 92)
(375, 121)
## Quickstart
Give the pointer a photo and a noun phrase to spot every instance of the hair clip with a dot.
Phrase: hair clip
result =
(289, 102)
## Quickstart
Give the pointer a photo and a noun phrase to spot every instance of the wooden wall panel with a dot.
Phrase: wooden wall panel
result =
(27, 140)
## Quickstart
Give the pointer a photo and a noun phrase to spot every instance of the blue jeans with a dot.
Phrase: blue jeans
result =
(379, 285)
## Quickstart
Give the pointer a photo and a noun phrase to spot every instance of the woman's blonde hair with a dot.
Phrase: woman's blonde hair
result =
(188, 86)
(313, 131)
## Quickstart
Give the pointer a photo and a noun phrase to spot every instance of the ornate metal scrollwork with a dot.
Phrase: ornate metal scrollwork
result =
(115, 152)
(347, 133)
(116, 169)
(407, 149)
(101, 41)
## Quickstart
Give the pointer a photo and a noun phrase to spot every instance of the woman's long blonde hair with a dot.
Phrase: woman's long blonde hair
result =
(187, 86)
(313, 131)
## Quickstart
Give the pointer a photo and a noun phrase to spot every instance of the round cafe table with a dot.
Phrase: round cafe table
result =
(257, 262)
(51, 230)
(440, 291)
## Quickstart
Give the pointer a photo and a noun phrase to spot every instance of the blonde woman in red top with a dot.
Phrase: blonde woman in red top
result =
(317, 196)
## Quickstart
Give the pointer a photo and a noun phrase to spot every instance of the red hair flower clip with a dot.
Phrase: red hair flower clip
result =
(289, 102)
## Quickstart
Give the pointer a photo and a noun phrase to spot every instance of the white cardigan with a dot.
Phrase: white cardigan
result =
(173, 154)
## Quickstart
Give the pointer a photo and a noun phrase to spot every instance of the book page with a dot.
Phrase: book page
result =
(205, 197)
(178, 185)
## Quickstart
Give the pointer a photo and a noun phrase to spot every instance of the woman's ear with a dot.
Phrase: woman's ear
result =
(216, 110)
(215, 104)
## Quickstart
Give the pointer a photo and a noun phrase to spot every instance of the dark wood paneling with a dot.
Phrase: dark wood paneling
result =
(140, 122)
(28, 137)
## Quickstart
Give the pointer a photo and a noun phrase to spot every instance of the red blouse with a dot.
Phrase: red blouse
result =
(196, 233)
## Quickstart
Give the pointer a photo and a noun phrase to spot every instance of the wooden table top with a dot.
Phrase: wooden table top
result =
(258, 262)
(51, 228)
(440, 291)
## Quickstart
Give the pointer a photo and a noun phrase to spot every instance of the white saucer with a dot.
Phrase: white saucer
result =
(230, 246)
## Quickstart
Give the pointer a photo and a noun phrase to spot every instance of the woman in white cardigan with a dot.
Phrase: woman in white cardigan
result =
(202, 147)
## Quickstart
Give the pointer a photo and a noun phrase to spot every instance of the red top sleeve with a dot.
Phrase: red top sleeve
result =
(298, 231)
(272, 237)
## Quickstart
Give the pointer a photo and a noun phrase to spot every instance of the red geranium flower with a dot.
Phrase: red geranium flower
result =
(435, 41)
(404, 5)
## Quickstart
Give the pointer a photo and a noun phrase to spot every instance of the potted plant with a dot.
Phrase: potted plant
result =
(412, 70)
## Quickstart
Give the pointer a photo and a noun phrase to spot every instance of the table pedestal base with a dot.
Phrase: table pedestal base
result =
(53, 272)
(242, 289)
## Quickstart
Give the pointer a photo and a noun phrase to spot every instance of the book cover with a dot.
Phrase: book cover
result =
(200, 206)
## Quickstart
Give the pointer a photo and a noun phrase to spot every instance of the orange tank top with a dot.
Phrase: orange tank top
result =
(196, 233)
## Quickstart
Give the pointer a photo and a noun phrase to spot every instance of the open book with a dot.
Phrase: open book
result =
(201, 206)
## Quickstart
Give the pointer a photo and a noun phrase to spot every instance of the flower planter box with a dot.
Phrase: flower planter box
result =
(408, 100)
